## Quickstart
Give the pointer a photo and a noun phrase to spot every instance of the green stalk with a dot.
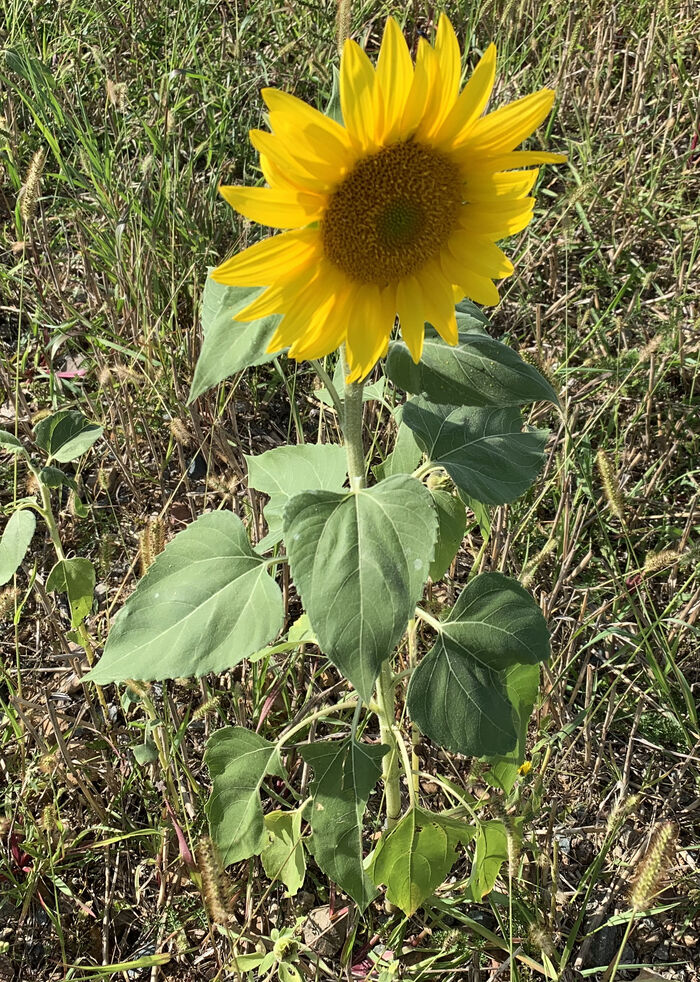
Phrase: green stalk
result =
(352, 428)
(352, 434)
(390, 762)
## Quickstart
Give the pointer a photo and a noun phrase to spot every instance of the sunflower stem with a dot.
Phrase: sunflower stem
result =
(385, 705)
(352, 428)
(390, 762)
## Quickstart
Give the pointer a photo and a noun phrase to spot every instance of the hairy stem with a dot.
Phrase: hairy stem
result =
(352, 434)
(352, 429)
(390, 763)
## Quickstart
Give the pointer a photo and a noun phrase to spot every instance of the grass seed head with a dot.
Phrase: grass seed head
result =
(9, 599)
(653, 866)
(179, 431)
(343, 19)
(214, 888)
(31, 190)
(151, 543)
(611, 485)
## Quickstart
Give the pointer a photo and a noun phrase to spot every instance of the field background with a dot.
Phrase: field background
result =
(137, 112)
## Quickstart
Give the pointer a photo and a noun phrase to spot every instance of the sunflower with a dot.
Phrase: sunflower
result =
(396, 212)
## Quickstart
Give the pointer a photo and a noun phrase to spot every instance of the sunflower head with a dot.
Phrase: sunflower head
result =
(396, 212)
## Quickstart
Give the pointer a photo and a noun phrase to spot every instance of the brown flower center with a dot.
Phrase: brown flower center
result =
(393, 212)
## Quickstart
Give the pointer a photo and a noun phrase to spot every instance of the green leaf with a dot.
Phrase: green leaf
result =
(247, 963)
(238, 760)
(485, 451)
(76, 578)
(288, 972)
(205, 603)
(478, 371)
(470, 318)
(405, 456)
(344, 774)
(54, 477)
(481, 514)
(415, 857)
(15, 542)
(522, 684)
(491, 853)
(10, 443)
(145, 753)
(66, 435)
(300, 631)
(229, 346)
(359, 561)
(458, 695)
(452, 521)
(286, 471)
(283, 856)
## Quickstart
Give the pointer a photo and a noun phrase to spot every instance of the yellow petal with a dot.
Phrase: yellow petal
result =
(502, 185)
(508, 126)
(307, 174)
(427, 60)
(270, 301)
(300, 115)
(308, 133)
(326, 332)
(369, 326)
(438, 303)
(424, 76)
(476, 253)
(497, 220)
(409, 303)
(471, 102)
(270, 260)
(281, 296)
(275, 207)
(394, 78)
(449, 68)
(505, 161)
(275, 177)
(303, 312)
(357, 94)
(477, 287)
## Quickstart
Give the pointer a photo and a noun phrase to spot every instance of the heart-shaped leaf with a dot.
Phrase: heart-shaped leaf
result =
(66, 435)
(452, 521)
(205, 603)
(229, 346)
(522, 683)
(359, 561)
(458, 695)
(416, 856)
(344, 774)
(478, 371)
(283, 857)
(75, 578)
(286, 471)
(238, 760)
(15, 542)
(490, 854)
(485, 451)
(10, 443)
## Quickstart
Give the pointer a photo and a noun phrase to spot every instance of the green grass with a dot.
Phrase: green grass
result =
(141, 112)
